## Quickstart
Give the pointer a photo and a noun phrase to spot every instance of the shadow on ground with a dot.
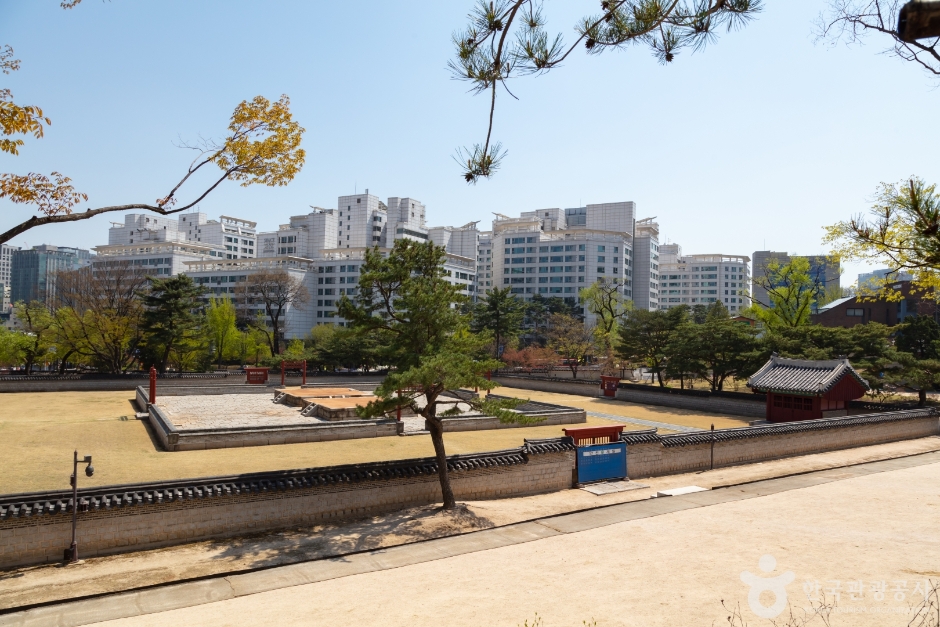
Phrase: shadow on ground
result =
(411, 525)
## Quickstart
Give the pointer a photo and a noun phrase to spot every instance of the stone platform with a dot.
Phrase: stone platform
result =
(306, 414)
(326, 403)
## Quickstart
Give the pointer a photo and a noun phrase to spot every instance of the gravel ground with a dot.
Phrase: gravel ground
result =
(229, 410)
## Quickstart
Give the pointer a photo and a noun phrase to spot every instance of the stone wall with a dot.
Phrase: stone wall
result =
(174, 439)
(480, 423)
(36, 528)
(116, 384)
(717, 403)
(734, 403)
(651, 455)
(561, 386)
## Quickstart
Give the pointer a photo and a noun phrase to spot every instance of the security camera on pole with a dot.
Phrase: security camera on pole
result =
(71, 553)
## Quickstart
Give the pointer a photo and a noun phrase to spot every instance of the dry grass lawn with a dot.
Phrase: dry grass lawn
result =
(683, 417)
(42, 430)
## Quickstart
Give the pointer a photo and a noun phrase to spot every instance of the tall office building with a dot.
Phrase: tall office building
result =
(646, 265)
(33, 271)
(558, 252)
(235, 236)
(325, 249)
(821, 267)
(6, 265)
(703, 279)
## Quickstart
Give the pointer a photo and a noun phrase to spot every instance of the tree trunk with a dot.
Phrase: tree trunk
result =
(921, 397)
(659, 377)
(437, 437)
(166, 358)
(64, 361)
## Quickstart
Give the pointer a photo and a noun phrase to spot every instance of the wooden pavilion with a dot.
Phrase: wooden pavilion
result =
(800, 389)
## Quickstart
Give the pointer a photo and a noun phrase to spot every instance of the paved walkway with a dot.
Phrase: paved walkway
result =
(663, 561)
(646, 423)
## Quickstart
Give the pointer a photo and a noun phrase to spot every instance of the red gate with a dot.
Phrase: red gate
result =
(294, 365)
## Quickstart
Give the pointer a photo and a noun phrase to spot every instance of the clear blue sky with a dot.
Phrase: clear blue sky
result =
(756, 142)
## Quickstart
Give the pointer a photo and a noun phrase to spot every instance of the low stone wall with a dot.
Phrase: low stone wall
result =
(142, 393)
(545, 384)
(36, 528)
(482, 423)
(53, 384)
(548, 414)
(734, 403)
(174, 439)
(751, 405)
(651, 455)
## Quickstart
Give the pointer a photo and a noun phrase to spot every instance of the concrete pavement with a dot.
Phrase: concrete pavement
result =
(420, 581)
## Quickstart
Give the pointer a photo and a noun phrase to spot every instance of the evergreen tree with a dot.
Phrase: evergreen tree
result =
(413, 312)
(171, 315)
(717, 349)
(500, 313)
(644, 336)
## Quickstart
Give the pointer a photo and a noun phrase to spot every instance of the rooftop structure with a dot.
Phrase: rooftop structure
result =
(800, 389)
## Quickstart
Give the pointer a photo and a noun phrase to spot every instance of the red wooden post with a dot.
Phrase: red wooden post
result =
(304, 372)
(153, 385)
(398, 410)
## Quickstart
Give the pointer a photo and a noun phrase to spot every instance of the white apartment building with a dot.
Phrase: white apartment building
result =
(359, 221)
(484, 270)
(646, 268)
(703, 279)
(220, 278)
(230, 238)
(556, 252)
(6, 264)
(334, 274)
(304, 236)
(156, 258)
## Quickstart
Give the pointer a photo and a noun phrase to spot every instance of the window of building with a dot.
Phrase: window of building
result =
(855, 312)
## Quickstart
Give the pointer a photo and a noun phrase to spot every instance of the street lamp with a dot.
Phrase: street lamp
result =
(71, 553)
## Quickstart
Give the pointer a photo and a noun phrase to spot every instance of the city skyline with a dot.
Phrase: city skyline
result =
(804, 152)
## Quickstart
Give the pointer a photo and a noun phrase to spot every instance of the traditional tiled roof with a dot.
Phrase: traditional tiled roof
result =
(548, 445)
(802, 376)
(644, 436)
(164, 492)
(785, 428)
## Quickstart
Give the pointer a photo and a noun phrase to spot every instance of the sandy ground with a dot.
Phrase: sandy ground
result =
(841, 538)
(682, 417)
(110, 574)
(44, 428)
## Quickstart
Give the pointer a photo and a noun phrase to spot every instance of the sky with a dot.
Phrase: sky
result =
(755, 143)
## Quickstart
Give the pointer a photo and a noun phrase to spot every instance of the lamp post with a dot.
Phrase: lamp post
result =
(71, 553)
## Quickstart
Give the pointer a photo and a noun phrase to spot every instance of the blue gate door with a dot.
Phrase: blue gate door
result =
(602, 461)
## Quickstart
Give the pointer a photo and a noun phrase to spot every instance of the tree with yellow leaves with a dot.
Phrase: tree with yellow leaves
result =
(262, 146)
(902, 232)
